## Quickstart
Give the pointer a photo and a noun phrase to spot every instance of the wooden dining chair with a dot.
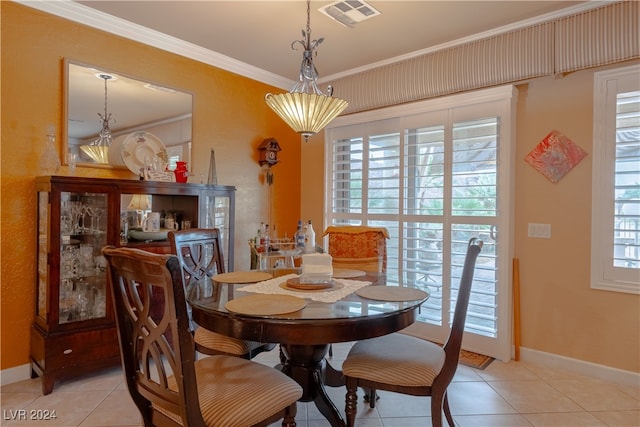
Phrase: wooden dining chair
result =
(166, 383)
(358, 247)
(199, 251)
(409, 365)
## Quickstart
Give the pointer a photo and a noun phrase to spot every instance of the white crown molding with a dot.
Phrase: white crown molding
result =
(85, 15)
(475, 37)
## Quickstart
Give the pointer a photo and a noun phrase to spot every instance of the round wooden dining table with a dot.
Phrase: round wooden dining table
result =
(304, 335)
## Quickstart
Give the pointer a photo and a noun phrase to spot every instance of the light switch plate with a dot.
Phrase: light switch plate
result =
(539, 230)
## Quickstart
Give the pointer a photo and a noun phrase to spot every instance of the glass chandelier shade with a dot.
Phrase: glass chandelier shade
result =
(98, 150)
(306, 109)
(306, 113)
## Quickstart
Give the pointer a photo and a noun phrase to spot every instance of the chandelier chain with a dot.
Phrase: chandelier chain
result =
(308, 22)
(106, 116)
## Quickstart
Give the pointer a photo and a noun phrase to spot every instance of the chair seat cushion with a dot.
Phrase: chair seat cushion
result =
(396, 359)
(237, 392)
(223, 343)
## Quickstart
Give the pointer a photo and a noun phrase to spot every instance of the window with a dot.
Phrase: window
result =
(615, 228)
(434, 174)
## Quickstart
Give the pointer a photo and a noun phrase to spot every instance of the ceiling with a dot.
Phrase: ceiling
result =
(260, 33)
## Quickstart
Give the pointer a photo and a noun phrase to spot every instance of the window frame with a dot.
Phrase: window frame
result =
(450, 109)
(607, 85)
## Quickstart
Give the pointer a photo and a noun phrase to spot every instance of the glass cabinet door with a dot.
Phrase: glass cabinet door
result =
(83, 233)
(218, 211)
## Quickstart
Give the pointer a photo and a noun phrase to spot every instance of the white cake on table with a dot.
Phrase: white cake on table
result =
(316, 268)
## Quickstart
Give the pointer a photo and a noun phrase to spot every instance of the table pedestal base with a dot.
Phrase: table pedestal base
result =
(306, 364)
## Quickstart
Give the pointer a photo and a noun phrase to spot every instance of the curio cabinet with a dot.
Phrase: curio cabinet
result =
(74, 332)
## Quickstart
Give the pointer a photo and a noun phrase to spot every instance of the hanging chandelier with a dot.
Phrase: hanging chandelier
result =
(98, 150)
(306, 108)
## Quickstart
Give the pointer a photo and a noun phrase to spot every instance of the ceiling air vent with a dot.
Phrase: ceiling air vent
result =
(349, 12)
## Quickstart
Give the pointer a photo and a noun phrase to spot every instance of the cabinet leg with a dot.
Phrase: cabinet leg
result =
(48, 380)
(47, 384)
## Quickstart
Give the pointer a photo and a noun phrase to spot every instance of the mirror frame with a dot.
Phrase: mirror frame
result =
(117, 132)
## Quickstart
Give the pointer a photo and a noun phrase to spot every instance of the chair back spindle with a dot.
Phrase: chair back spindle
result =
(199, 251)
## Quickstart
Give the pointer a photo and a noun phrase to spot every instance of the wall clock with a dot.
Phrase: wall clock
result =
(268, 150)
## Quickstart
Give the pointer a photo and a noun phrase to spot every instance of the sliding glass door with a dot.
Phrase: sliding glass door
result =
(434, 178)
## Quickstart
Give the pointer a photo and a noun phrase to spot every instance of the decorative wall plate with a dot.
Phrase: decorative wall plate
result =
(141, 148)
(115, 151)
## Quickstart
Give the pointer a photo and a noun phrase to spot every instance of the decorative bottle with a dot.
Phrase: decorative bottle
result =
(49, 161)
(256, 240)
(300, 237)
(310, 240)
(265, 240)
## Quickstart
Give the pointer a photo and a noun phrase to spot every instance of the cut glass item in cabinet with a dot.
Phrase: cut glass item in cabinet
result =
(82, 215)
(82, 291)
(49, 161)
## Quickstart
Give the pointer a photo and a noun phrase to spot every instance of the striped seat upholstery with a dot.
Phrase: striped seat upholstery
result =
(223, 343)
(225, 403)
(166, 383)
(417, 364)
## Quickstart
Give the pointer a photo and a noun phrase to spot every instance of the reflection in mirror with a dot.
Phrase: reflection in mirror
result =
(147, 122)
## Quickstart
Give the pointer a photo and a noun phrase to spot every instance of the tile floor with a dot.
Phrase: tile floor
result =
(511, 395)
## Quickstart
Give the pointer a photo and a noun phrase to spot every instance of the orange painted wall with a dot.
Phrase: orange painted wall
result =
(230, 116)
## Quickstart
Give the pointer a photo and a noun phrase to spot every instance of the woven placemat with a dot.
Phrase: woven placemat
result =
(242, 277)
(265, 304)
(391, 293)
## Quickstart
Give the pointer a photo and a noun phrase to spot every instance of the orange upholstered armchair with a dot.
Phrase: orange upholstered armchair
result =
(358, 247)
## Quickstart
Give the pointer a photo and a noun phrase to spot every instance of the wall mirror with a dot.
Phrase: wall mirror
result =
(157, 117)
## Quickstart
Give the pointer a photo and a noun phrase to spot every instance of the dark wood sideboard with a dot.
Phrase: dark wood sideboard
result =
(73, 331)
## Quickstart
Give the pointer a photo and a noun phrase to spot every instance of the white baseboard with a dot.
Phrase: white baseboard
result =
(581, 367)
(15, 374)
